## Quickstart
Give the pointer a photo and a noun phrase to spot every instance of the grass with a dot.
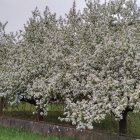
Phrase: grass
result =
(110, 125)
(18, 134)
(25, 111)
(21, 107)
(134, 124)
(29, 107)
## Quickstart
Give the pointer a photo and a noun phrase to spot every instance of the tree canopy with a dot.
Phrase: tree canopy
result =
(88, 60)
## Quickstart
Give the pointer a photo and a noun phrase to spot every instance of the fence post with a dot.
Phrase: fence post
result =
(1, 105)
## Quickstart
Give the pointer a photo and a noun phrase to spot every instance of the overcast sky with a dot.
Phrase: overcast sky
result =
(17, 12)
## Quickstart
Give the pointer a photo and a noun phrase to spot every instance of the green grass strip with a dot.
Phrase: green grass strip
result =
(19, 134)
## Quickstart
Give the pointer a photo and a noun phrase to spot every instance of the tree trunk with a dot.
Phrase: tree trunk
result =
(123, 123)
(38, 117)
(1, 105)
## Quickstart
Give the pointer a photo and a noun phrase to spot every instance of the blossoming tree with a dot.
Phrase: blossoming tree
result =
(103, 76)
(88, 60)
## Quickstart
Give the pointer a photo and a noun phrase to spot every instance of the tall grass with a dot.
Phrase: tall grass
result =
(18, 134)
